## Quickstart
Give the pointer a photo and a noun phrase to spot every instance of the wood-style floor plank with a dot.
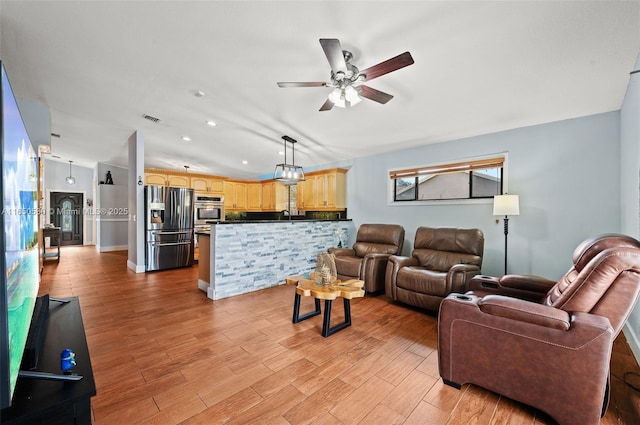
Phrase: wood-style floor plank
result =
(163, 353)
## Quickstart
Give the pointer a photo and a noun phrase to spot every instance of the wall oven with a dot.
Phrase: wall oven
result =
(207, 210)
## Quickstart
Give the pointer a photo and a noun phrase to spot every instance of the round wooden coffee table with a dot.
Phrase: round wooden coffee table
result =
(347, 290)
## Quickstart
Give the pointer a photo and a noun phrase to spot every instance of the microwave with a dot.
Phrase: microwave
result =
(208, 209)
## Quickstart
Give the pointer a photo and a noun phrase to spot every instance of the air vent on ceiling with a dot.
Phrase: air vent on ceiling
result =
(150, 118)
(57, 136)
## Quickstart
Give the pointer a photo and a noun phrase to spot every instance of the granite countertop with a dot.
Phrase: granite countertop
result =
(276, 221)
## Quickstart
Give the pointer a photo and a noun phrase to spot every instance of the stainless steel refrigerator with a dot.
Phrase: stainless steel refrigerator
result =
(168, 227)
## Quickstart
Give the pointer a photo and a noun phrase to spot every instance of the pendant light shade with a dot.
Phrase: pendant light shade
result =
(70, 179)
(289, 173)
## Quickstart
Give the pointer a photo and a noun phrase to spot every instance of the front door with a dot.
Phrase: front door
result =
(67, 214)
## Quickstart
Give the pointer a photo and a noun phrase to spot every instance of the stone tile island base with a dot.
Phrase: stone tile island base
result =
(246, 257)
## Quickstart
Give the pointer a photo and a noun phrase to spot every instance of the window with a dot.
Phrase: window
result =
(480, 178)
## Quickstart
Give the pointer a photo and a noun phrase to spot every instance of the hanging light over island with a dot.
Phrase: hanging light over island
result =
(289, 173)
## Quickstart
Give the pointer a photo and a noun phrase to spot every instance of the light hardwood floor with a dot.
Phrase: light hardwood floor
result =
(163, 353)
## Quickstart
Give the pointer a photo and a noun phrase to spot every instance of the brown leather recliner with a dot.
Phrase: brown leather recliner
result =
(443, 260)
(367, 259)
(550, 347)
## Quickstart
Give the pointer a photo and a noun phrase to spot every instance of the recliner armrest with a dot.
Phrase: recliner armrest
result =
(342, 251)
(402, 261)
(394, 264)
(526, 287)
(525, 311)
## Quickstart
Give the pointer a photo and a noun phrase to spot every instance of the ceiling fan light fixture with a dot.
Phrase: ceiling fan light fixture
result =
(335, 94)
(351, 95)
(337, 97)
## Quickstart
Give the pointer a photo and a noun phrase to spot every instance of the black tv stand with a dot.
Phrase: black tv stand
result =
(55, 401)
(47, 375)
(60, 300)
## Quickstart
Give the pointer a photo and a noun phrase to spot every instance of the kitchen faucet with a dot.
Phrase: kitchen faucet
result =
(286, 211)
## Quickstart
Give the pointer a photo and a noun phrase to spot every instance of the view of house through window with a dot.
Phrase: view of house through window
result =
(460, 180)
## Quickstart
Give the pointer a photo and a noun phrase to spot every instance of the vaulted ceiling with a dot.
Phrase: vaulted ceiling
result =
(480, 67)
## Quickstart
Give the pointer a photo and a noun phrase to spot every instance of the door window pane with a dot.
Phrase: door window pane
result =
(67, 223)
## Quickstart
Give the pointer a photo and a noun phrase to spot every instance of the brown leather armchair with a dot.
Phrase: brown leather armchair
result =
(367, 259)
(544, 343)
(443, 260)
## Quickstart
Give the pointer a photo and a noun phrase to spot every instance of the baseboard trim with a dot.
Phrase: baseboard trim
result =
(112, 248)
(202, 285)
(136, 268)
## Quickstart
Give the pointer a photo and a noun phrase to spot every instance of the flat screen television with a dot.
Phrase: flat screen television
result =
(19, 276)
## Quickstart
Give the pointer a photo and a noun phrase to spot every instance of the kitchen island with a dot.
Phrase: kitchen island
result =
(237, 257)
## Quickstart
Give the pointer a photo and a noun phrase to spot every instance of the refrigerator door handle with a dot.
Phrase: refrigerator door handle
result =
(170, 243)
(165, 232)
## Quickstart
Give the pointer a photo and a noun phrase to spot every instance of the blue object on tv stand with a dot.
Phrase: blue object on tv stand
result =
(67, 360)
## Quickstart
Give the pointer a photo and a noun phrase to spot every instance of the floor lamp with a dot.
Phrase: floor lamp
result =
(506, 205)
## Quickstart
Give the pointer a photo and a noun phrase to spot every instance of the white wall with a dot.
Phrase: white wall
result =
(566, 174)
(630, 184)
(55, 174)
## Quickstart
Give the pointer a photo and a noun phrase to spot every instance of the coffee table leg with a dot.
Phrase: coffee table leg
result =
(326, 323)
(296, 310)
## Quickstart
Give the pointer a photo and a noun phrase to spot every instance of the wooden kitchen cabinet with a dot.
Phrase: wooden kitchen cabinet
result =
(254, 196)
(235, 196)
(207, 184)
(176, 180)
(323, 190)
(274, 196)
(155, 179)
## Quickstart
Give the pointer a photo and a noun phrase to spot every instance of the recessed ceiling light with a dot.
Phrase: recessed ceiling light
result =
(198, 93)
(211, 123)
(245, 162)
(186, 138)
(280, 153)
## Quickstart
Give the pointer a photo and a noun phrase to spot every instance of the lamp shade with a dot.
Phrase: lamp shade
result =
(506, 205)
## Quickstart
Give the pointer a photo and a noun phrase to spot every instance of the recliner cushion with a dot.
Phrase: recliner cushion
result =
(348, 266)
(443, 260)
(419, 279)
(364, 248)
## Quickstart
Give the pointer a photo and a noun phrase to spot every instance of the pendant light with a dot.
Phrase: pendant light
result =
(289, 173)
(70, 179)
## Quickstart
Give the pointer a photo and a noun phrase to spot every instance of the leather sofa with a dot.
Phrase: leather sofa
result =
(444, 259)
(367, 259)
(541, 342)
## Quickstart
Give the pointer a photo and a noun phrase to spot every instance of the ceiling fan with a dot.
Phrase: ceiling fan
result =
(346, 77)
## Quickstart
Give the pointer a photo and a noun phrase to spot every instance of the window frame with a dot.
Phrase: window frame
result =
(452, 166)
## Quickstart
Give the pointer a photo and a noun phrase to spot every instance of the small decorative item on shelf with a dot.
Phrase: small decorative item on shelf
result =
(67, 360)
(325, 273)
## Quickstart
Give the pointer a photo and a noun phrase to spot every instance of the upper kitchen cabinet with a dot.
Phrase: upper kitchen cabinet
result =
(177, 180)
(155, 179)
(254, 196)
(235, 196)
(323, 190)
(209, 184)
(274, 196)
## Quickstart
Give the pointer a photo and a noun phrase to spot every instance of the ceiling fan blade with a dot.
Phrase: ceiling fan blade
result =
(387, 66)
(333, 51)
(375, 95)
(303, 84)
(326, 106)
